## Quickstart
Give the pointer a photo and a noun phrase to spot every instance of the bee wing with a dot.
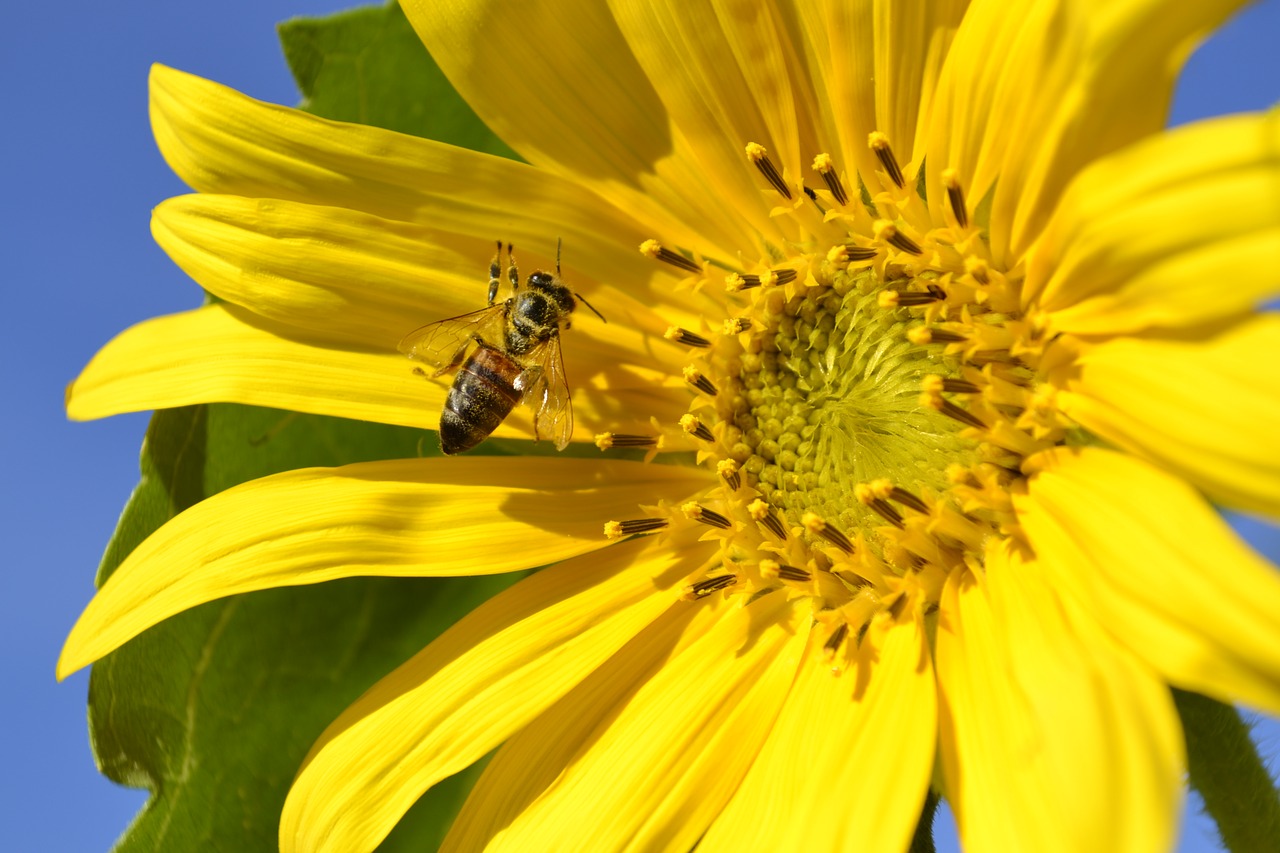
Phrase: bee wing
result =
(550, 398)
(444, 343)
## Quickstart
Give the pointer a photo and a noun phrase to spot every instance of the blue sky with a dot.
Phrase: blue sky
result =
(81, 174)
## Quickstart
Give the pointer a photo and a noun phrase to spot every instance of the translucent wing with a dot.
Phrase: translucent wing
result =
(444, 343)
(549, 396)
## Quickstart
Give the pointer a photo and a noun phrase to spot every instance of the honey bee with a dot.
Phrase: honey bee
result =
(505, 353)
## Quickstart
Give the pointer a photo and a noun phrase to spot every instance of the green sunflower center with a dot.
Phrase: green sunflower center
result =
(832, 400)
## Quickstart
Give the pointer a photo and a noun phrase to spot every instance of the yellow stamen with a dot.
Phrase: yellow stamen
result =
(759, 155)
(710, 517)
(823, 166)
(619, 529)
(879, 143)
(654, 249)
(955, 196)
(693, 425)
(694, 377)
(686, 337)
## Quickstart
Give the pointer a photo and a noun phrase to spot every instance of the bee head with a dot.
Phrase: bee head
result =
(545, 282)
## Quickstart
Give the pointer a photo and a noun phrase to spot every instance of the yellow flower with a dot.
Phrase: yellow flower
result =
(962, 341)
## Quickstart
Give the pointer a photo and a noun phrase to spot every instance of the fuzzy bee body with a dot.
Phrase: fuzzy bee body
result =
(504, 354)
(482, 395)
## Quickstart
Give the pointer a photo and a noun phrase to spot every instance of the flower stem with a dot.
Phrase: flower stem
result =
(1225, 767)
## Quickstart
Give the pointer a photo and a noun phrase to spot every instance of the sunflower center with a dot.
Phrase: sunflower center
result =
(869, 408)
(831, 399)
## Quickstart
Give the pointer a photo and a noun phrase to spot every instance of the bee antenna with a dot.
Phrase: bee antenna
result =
(589, 305)
(559, 243)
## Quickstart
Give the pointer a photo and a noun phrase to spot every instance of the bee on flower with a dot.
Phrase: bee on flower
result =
(928, 350)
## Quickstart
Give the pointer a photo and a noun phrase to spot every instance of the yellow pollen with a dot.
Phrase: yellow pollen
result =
(709, 517)
(765, 516)
(686, 337)
(728, 471)
(823, 166)
(816, 525)
(694, 377)
(955, 196)
(889, 233)
(654, 249)
(759, 155)
(618, 440)
(706, 586)
(619, 529)
(693, 425)
(879, 144)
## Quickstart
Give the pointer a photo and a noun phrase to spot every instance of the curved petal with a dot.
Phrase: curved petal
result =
(1171, 232)
(466, 692)
(810, 788)
(1053, 738)
(1204, 410)
(1162, 570)
(222, 353)
(220, 141)
(606, 129)
(735, 82)
(407, 517)
(740, 76)
(876, 64)
(1032, 98)
(352, 275)
(529, 762)
(656, 770)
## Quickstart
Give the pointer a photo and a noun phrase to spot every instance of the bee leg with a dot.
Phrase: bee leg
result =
(495, 274)
(527, 379)
(513, 272)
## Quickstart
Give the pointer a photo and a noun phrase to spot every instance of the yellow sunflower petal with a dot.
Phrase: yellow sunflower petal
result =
(660, 767)
(606, 129)
(1174, 231)
(465, 693)
(1161, 569)
(220, 141)
(1033, 98)
(992, 89)
(877, 64)
(407, 518)
(1052, 736)
(724, 93)
(811, 787)
(1204, 410)
(222, 353)
(529, 762)
(357, 276)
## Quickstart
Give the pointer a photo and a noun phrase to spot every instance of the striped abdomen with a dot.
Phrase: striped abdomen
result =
(482, 395)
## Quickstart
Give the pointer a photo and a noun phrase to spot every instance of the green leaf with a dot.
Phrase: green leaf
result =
(346, 64)
(1224, 766)
(214, 709)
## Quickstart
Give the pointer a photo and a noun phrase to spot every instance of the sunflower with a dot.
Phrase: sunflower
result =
(947, 346)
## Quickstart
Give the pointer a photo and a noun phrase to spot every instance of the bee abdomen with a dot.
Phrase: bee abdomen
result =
(482, 395)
